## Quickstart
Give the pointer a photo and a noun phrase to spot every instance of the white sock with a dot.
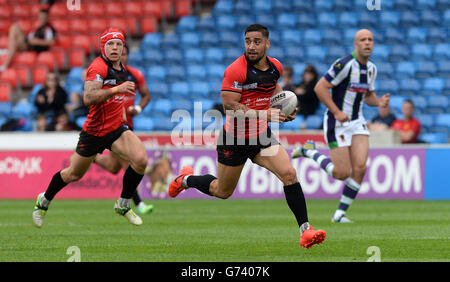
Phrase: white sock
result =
(184, 181)
(124, 203)
(304, 227)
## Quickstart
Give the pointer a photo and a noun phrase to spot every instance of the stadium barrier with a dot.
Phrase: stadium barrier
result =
(394, 172)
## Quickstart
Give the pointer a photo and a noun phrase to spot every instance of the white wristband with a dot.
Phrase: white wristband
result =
(138, 109)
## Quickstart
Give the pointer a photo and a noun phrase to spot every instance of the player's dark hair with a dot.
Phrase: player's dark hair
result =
(410, 101)
(258, 27)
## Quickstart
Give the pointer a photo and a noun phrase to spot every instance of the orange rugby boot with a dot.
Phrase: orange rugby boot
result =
(176, 185)
(311, 237)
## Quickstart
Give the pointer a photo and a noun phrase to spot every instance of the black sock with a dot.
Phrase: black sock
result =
(131, 181)
(296, 202)
(200, 182)
(136, 198)
(56, 184)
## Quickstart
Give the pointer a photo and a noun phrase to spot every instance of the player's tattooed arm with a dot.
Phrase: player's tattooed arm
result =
(94, 94)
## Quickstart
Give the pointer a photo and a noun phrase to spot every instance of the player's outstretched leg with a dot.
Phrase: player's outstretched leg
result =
(309, 150)
(122, 206)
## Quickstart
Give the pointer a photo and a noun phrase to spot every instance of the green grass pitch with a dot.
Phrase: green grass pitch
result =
(225, 230)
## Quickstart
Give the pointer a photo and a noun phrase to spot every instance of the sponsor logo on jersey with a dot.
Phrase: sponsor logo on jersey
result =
(250, 86)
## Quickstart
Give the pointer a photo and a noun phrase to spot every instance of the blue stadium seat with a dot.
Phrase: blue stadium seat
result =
(434, 137)
(433, 86)
(282, 6)
(170, 41)
(232, 54)
(409, 86)
(446, 19)
(323, 5)
(196, 72)
(243, 7)
(426, 121)
(151, 40)
(74, 75)
(22, 109)
(301, 6)
(206, 23)
(294, 54)
(173, 56)
(420, 103)
(314, 122)
(306, 20)
(388, 86)
(421, 52)
(226, 22)
(158, 89)
(426, 4)
(442, 5)
(328, 19)
(163, 123)
(441, 51)
(80, 121)
(442, 123)
(156, 73)
(298, 71)
(175, 73)
(135, 57)
(385, 70)
(316, 53)
(208, 39)
(223, 7)
(404, 5)
(348, 19)
(287, 21)
(343, 5)
(349, 36)
(276, 52)
(291, 36)
(193, 55)
(190, 39)
(187, 24)
(437, 35)
(446, 90)
(396, 102)
(417, 35)
(267, 20)
(368, 19)
(183, 104)
(312, 36)
(394, 36)
(215, 55)
(409, 18)
(405, 69)
(262, 6)
(5, 109)
(294, 125)
(199, 89)
(142, 123)
(426, 69)
(206, 104)
(244, 20)
(179, 90)
(389, 18)
(230, 39)
(430, 18)
(381, 52)
(399, 53)
(331, 37)
(335, 52)
(152, 56)
(215, 71)
(444, 69)
(214, 89)
(437, 104)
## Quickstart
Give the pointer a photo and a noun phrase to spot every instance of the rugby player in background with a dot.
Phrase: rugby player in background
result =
(105, 89)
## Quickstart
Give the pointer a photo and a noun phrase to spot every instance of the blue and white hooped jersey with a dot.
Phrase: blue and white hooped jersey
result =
(351, 81)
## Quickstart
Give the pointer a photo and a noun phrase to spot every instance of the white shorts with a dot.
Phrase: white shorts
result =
(339, 134)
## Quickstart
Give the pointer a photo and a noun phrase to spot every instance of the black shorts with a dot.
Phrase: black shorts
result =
(90, 145)
(233, 151)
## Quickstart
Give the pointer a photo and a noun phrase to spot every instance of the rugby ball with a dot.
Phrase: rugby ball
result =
(285, 100)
